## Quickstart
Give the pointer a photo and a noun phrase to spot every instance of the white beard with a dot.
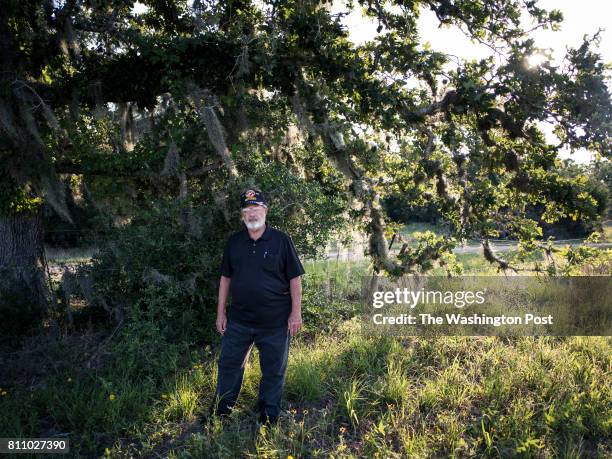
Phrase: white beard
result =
(254, 226)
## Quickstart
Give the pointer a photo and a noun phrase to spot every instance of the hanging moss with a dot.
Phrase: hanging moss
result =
(14, 198)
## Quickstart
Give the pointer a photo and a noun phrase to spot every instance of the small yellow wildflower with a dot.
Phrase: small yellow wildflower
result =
(290, 457)
(4, 392)
(342, 429)
(292, 434)
(164, 396)
(112, 397)
(305, 412)
(293, 411)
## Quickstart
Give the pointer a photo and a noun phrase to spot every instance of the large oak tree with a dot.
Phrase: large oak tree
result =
(186, 93)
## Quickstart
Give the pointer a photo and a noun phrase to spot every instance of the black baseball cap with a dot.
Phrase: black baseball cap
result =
(252, 197)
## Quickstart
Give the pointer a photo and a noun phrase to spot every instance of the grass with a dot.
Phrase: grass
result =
(423, 398)
(607, 231)
(69, 255)
(346, 394)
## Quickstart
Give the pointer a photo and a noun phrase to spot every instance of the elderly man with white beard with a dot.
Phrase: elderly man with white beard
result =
(263, 272)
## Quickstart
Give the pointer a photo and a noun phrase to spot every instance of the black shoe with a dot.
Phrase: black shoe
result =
(222, 413)
(268, 420)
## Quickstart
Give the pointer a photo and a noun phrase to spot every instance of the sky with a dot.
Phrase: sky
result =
(580, 17)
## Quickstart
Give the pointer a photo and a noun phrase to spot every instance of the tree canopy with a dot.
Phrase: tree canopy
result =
(189, 99)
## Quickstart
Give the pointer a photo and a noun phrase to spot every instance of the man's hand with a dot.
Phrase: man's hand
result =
(224, 287)
(221, 322)
(295, 322)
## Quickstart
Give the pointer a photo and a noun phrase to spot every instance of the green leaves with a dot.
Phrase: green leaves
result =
(15, 198)
(467, 134)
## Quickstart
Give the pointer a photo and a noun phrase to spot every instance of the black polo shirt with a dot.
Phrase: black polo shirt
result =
(260, 272)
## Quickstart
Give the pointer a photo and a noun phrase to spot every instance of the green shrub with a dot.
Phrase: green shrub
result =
(163, 267)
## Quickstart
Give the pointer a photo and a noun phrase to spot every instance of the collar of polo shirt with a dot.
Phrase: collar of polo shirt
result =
(265, 236)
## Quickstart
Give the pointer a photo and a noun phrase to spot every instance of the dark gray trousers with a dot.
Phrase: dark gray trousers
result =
(236, 344)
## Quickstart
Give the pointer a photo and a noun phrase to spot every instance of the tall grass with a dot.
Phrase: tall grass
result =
(346, 394)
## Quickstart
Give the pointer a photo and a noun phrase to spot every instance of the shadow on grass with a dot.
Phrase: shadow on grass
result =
(345, 394)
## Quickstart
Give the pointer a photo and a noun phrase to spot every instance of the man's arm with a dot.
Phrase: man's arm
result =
(224, 285)
(295, 318)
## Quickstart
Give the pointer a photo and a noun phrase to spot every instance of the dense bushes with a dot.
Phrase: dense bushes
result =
(159, 274)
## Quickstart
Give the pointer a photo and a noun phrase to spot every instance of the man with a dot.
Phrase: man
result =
(262, 270)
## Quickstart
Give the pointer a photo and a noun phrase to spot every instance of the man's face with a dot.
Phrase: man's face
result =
(254, 217)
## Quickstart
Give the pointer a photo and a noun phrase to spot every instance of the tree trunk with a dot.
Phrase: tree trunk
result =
(24, 294)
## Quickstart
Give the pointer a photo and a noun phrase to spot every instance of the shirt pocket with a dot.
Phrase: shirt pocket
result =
(270, 262)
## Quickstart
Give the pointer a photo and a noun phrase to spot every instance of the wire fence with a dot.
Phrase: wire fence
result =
(333, 252)
(337, 275)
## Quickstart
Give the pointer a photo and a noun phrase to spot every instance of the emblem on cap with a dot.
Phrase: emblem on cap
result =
(252, 197)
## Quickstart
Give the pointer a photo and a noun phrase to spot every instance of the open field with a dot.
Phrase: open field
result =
(356, 251)
(427, 161)
(347, 395)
